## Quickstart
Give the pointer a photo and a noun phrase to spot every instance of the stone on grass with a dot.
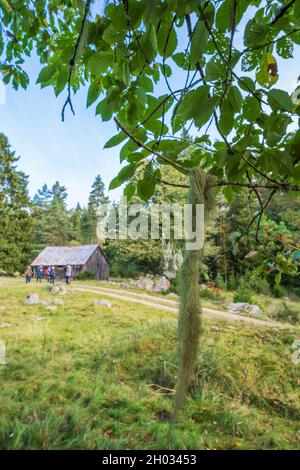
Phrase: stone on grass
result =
(105, 303)
(34, 299)
(5, 325)
(216, 329)
(51, 307)
(59, 301)
(245, 308)
(145, 283)
(162, 284)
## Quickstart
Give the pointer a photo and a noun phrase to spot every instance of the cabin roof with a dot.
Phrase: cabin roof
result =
(63, 255)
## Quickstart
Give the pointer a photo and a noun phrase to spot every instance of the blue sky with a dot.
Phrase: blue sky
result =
(72, 152)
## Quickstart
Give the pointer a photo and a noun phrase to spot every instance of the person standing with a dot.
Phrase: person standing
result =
(39, 274)
(52, 275)
(49, 273)
(68, 274)
(28, 274)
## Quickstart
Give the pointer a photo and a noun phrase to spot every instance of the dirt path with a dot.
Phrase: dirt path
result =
(171, 305)
(163, 304)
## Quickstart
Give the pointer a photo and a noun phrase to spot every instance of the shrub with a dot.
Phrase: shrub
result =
(126, 270)
(286, 313)
(232, 282)
(212, 294)
(278, 291)
(243, 294)
(220, 283)
(258, 283)
(86, 276)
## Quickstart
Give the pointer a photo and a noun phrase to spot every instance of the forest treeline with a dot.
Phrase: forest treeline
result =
(27, 225)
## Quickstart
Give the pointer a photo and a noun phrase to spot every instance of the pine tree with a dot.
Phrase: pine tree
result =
(16, 227)
(52, 218)
(89, 215)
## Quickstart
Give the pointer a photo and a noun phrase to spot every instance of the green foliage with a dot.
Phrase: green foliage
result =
(243, 293)
(278, 291)
(287, 314)
(85, 276)
(16, 228)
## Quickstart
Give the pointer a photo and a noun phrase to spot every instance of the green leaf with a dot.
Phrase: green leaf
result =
(125, 173)
(198, 42)
(215, 71)
(115, 140)
(146, 187)
(62, 80)
(46, 74)
(148, 44)
(100, 61)
(129, 191)
(251, 109)
(278, 278)
(197, 105)
(279, 99)
(246, 84)
(254, 34)
(235, 99)
(226, 120)
(95, 89)
(166, 40)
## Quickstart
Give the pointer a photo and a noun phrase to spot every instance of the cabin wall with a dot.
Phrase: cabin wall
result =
(98, 265)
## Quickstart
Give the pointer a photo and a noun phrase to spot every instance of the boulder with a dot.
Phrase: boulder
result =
(105, 303)
(162, 284)
(145, 283)
(245, 308)
(33, 299)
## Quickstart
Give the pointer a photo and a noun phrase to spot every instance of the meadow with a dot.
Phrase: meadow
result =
(86, 376)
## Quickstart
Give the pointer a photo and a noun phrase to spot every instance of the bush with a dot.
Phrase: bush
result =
(258, 283)
(220, 283)
(286, 313)
(243, 294)
(86, 276)
(278, 291)
(211, 294)
(232, 282)
(125, 270)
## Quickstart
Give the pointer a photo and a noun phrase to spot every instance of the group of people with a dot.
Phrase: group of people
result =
(50, 274)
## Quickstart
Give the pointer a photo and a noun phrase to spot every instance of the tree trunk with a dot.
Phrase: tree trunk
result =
(190, 313)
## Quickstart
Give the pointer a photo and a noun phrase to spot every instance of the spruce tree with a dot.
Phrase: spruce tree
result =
(16, 228)
(89, 216)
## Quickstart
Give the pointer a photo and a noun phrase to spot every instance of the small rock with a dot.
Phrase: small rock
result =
(32, 299)
(59, 301)
(286, 299)
(105, 303)
(51, 307)
(216, 329)
(5, 325)
(162, 284)
(54, 290)
(63, 290)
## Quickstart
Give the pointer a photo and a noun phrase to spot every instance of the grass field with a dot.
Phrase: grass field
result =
(91, 377)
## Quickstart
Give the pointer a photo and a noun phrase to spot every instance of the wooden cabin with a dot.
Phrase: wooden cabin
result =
(83, 258)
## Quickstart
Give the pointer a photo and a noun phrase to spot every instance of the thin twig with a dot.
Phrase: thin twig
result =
(73, 59)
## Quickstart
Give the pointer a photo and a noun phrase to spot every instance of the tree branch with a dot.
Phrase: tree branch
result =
(283, 11)
(73, 59)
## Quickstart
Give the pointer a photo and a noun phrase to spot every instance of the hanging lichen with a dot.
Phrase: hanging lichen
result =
(190, 313)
